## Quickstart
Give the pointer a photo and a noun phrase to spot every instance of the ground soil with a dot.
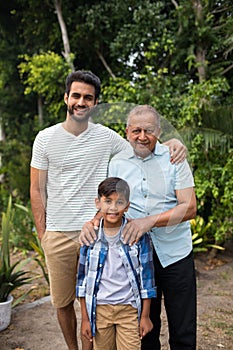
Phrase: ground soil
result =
(34, 325)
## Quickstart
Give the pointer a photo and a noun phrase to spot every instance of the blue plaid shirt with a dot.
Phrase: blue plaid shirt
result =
(138, 263)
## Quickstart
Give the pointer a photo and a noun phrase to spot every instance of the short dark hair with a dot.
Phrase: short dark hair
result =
(86, 77)
(113, 185)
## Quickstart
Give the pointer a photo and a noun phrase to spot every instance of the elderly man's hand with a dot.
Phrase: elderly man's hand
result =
(135, 228)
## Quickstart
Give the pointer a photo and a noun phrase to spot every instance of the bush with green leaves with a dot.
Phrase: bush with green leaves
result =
(214, 185)
(200, 235)
(12, 276)
(33, 242)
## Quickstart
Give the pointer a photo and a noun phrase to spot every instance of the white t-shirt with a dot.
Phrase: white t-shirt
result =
(76, 165)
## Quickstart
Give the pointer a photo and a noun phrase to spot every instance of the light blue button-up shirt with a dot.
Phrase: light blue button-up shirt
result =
(153, 182)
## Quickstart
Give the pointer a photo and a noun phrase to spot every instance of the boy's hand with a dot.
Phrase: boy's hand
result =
(86, 330)
(145, 326)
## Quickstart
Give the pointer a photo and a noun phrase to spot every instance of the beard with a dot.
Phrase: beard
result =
(80, 115)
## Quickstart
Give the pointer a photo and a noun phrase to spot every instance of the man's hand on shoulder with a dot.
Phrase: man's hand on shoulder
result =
(87, 235)
(135, 228)
(178, 151)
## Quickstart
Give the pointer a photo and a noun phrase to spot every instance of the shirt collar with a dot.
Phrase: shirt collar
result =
(101, 236)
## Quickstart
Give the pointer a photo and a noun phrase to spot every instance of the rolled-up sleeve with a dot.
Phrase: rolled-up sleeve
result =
(81, 275)
(148, 288)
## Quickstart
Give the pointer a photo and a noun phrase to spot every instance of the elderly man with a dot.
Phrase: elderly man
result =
(162, 203)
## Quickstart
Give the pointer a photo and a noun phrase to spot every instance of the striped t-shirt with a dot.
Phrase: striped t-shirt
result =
(76, 165)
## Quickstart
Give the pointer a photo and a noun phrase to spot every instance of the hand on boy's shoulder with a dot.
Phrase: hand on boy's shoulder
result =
(135, 229)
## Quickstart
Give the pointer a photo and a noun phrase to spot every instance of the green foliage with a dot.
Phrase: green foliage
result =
(44, 74)
(222, 211)
(36, 246)
(22, 229)
(112, 115)
(12, 276)
(15, 169)
(119, 90)
(33, 240)
(200, 235)
(201, 97)
(214, 186)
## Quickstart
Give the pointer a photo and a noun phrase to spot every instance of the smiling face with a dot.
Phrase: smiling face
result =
(112, 208)
(80, 100)
(142, 132)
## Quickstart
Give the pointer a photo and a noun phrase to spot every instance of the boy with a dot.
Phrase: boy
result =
(113, 277)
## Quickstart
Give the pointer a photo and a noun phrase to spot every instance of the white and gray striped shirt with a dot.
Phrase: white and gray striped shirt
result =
(76, 165)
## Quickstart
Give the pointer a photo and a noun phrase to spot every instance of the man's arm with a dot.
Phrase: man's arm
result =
(38, 199)
(183, 211)
(178, 151)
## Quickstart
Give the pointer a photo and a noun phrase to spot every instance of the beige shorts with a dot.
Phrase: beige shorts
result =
(117, 328)
(61, 254)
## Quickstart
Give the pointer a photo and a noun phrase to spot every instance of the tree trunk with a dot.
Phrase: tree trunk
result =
(201, 67)
(65, 38)
(200, 51)
(40, 110)
(101, 57)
